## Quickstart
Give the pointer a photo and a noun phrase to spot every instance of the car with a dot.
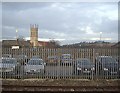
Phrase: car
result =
(7, 55)
(22, 59)
(118, 60)
(8, 65)
(119, 69)
(106, 65)
(66, 59)
(52, 60)
(84, 66)
(35, 65)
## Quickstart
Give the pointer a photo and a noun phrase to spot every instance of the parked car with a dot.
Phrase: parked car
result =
(52, 60)
(84, 66)
(22, 59)
(8, 65)
(119, 69)
(106, 65)
(66, 59)
(35, 65)
(118, 60)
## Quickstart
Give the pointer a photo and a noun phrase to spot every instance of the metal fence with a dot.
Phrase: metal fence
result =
(60, 63)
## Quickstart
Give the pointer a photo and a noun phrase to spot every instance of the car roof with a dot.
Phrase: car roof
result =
(36, 59)
(8, 58)
(66, 54)
(6, 55)
(82, 59)
(105, 56)
(21, 55)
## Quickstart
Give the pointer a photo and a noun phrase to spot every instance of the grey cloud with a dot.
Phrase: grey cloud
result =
(60, 20)
(18, 6)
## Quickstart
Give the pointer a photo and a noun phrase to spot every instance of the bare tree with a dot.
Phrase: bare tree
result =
(54, 43)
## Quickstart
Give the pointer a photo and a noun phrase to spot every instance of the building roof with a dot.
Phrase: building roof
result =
(43, 43)
(9, 43)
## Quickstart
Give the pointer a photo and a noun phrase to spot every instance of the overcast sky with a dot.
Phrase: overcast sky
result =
(67, 22)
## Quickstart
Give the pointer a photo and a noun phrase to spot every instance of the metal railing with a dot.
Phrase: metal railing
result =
(60, 63)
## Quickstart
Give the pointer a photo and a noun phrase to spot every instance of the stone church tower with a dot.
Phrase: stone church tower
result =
(34, 35)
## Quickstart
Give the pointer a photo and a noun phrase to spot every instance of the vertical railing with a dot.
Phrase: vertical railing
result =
(61, 70)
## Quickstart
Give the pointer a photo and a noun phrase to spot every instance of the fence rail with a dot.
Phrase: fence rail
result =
(60, 63)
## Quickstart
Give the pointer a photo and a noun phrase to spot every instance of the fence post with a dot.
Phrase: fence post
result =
(93, 62)
(58, 70)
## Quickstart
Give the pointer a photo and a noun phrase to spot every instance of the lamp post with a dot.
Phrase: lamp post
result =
(16, 34)
(100, 35)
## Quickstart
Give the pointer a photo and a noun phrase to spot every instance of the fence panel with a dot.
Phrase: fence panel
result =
(60, 63)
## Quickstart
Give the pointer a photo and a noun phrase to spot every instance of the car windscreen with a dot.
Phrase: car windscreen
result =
(84, 62)
(9, 61)
(21, 56)
(35, 62)
(109, 61)
(66, 56)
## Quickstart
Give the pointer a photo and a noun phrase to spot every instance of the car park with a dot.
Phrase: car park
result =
(84, 66)
(34, 65)
(106, 65)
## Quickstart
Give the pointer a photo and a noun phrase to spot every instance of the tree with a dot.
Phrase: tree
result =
(54, 43)
(21, 38)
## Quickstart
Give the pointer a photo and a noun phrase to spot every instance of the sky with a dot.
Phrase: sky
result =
(67, 22)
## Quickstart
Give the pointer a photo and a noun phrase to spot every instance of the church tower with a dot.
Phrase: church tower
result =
(34, 35)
